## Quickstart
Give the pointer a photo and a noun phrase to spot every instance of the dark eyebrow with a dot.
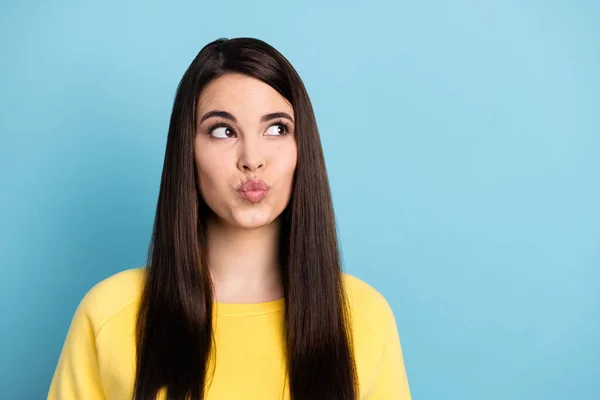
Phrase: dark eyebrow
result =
(216, 113)
(229, 116)
(276, 115)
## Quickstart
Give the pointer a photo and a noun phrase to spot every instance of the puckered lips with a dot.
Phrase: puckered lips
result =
(253, 190)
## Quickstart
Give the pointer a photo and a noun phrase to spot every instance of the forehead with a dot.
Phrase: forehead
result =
(241, 94)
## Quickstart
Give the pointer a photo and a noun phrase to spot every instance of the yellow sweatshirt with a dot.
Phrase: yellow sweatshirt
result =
(98, 357)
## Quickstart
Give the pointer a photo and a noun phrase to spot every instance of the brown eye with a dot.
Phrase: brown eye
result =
(280, 130)
(221, 132)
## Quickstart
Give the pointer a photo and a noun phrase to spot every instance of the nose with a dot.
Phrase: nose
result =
(251, 155)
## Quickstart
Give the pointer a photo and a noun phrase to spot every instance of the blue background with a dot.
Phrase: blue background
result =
(462, 141)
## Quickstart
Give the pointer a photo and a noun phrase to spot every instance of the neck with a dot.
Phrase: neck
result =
(244, 263)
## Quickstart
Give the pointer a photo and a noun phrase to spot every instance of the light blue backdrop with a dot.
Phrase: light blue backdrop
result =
(462, 139)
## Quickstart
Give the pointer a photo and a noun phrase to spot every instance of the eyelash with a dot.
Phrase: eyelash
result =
(281, 122)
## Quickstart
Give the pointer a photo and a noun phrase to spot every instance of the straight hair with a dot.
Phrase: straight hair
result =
(174, 336)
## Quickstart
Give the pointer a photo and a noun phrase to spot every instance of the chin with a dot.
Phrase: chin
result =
(252, 219)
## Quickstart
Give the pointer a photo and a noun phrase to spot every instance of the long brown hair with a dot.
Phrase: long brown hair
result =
(174, 330)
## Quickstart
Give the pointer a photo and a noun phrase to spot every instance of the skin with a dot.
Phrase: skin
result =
(244, 236)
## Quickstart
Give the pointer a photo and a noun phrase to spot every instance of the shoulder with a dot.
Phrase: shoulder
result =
(369, 307)
(112, 295)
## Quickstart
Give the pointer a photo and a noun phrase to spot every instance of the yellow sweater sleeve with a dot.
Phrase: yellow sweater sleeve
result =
(77, 375)
(392, 382)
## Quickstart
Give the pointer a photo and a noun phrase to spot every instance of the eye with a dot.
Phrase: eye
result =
(221, 131)
(278, 129)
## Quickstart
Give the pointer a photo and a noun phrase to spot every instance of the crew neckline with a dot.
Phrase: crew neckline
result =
(248, 309)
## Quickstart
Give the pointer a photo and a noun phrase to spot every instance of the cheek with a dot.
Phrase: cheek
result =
(287, 157)
(210, 172)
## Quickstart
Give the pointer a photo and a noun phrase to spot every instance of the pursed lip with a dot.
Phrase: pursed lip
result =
(254, 185)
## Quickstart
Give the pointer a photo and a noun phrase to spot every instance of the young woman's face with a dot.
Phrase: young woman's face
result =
(243, 141)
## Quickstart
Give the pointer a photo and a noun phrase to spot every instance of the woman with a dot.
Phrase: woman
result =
(243, 296)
